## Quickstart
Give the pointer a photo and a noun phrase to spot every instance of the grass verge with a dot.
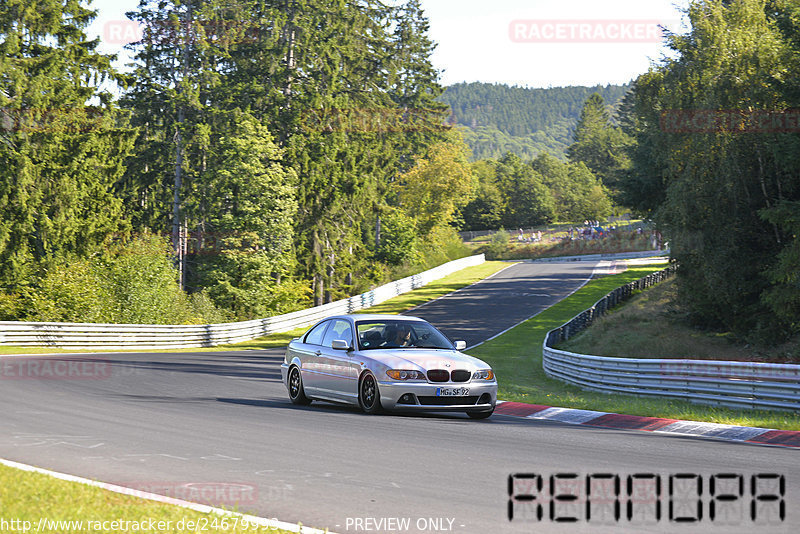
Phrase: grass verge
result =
(516, 357)
(652, 325)
(34, 497)
(398, 304)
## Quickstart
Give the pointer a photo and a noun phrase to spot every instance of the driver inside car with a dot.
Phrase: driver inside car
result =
(398, 336)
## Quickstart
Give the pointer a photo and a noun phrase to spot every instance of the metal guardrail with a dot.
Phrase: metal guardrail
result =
(133, 336)
(735, 384)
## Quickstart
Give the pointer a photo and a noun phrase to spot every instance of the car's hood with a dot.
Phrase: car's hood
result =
(425, 359)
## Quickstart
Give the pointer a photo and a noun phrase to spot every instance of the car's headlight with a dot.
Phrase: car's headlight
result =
(403, 374)
(483, 374)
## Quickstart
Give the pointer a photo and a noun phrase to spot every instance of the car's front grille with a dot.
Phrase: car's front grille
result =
(438, 375)
(460, 375)
(447, 401)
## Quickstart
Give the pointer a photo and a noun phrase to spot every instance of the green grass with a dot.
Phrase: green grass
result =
(516, 357)
(30, 497)
(653, 325)
(398, 304)
(436, 289)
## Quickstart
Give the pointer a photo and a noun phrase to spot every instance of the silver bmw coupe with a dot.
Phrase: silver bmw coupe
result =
(387, 362)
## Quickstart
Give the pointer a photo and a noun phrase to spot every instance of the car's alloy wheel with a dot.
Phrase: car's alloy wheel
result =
(368, 395)
(296, 392)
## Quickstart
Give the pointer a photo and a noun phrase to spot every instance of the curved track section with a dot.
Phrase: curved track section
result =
(219, 419)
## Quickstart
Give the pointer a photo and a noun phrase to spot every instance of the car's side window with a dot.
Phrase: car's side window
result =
(314, 337)
(339, 330)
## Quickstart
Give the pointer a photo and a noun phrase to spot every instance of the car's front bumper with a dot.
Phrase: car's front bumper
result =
(285, 374)
(423, 396)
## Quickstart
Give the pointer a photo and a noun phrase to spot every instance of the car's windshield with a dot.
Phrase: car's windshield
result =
(400, 334)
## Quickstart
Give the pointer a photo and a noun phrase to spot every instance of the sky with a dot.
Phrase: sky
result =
(533, 43)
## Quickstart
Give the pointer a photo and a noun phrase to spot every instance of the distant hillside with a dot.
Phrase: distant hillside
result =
(499, 118)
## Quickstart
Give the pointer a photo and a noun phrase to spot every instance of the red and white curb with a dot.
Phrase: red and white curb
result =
(271, 524)
(745, 434)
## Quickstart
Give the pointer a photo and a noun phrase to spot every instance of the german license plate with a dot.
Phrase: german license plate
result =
(452, 392)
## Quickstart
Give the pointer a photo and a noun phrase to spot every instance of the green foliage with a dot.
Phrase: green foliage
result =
(437, 185)
(725, 194)
(498, 245)
(600, 145)
(577, 193)
(784, 295)
(131, 283)
(498, 119)
(443, 244)
(71, 291)
(248, 204)
(486, 210)
(398, 239)
(510, 192)
(267, 138)
(63, 141)
(529, 202)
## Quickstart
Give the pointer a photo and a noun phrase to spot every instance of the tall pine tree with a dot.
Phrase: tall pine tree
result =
(63, 140)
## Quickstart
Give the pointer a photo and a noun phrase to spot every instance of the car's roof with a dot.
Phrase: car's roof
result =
(375, 317)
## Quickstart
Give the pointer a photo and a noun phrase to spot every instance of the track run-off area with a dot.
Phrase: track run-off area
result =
(164, 421)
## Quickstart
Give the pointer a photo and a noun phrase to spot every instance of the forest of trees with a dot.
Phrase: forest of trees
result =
(498, 119)
(515, 192)
(265, 155)
(715, 161)
(261, 156)
(273, 149)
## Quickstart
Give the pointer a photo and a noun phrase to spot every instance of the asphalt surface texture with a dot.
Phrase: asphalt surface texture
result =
(219, 428)
(485, 309)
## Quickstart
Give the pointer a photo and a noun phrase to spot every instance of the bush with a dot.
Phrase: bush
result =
(71, 291)
(398, 239)
(134, 282)
(498, 245)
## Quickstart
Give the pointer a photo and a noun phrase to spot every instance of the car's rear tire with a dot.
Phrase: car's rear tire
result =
(481, 415)
(296, 393)
(369, 396)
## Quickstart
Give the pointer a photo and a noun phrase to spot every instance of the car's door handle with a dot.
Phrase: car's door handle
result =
(318, 352)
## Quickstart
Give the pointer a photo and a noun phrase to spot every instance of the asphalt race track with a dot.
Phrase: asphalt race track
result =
(160, 422)
(483, 310)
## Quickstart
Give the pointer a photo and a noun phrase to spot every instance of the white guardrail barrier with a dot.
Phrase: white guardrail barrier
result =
(155, 336)
(735, 384)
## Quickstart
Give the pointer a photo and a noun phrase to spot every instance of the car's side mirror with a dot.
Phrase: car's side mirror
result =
(461, 345)
(340, 344)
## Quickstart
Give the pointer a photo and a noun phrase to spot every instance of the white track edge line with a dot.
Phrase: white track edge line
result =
(460, 289)
(202, 508)
(535, 314)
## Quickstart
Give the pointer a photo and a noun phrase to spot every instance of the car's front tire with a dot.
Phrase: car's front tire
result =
(481, 415)
(296, 393)
(369, 397)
